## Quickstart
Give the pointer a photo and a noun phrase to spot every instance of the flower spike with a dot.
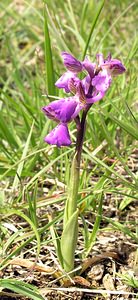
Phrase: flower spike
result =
(87, 91)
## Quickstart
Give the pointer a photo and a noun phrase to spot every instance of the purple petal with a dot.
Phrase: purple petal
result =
(71, 63)
(81, 93)
(72, 84)
(89, 67)
(63, 110)
(114, 66)
(102, 81)
(59, 136)
(86, 83)
(95, 98)
(63, 81)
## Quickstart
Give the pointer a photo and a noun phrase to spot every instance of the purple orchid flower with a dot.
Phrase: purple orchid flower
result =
(71, 63)
(59, 136)
(87, 91)
(101, 83)
(113, 66)
(73, 66)
(63, 81)
(63, 110)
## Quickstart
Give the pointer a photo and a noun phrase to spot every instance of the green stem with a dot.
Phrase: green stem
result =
(70, 223)
(71, 203)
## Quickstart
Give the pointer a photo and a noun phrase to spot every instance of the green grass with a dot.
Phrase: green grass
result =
(33, 34)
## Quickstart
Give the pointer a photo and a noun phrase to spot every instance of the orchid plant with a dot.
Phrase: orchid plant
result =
(83, 94)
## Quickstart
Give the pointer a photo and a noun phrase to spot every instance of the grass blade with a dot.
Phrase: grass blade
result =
(97, 14)
(21, 288)
(22, 215)
(93, 235)
(50, 79)
(21, 164)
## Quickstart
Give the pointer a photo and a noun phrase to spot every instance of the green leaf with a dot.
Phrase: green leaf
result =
(125, 202)
(129, 279)
(69, 241)
(21, 288)
(71, 202)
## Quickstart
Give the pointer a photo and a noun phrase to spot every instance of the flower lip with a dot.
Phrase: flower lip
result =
(63, 110)
(102, 81)
(71, 63)
(59, 136)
